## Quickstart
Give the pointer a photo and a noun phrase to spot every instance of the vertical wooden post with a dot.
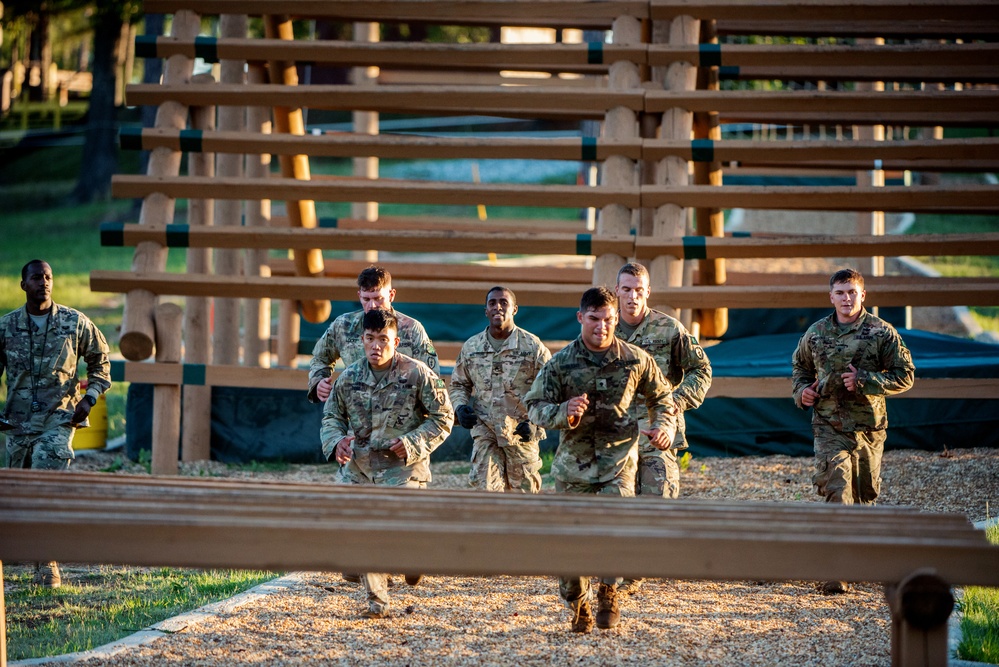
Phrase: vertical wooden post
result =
(677, 124)
(290, 121)
(229, 212)
(137, 328)
(872, 222)
(365, 122)
(196, 416)
(257, 325)
(166, 398)
(619, 171)
(710, 221)
(920, 605)
(289, 328)
(3, 622)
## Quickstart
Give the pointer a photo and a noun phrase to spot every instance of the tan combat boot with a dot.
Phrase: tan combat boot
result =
(608, 608)
(582, 616)
(47, 574)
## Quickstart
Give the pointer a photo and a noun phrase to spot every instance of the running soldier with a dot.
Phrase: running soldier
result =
(494, 370)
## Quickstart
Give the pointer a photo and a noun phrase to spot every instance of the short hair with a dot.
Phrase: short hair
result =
(846, 276)
(633, 269)
(374, 278)
(500, 288)
(24, 269)
(380, 320)
(596, 298)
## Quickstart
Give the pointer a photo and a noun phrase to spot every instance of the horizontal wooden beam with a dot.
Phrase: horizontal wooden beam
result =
(912, 73)
(497, 100)
(578, 278)
(185, 236)
(846, 56)
(928, 293)
(780, 387)
(363, 190)
(827, 10)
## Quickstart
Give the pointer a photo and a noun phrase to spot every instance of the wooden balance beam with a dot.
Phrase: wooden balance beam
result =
(186, 522)
(853, 11)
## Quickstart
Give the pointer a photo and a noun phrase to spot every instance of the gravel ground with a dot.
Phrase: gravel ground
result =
(519, 620)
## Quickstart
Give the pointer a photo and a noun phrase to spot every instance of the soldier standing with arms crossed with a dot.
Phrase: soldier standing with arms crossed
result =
(494, 370)
(40, 347)
(682, 361)
(387, 412)
(843, 368)
(587, 391)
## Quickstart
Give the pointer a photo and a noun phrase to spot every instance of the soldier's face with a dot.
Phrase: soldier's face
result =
(848, 300)
(379, 298)
(500, 309)
(37, 285)
(379, 347)
(632, 296)
(598, 327)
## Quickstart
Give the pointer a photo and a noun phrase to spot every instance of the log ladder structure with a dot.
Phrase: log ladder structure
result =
(648, 73)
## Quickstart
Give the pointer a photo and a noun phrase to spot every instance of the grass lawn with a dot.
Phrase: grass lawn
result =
(980, 619)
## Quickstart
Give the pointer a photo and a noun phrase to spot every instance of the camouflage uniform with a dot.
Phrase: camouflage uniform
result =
(599, 454)
(342, 340)
(410, 403)
(683, 362)
(850, 427)
(497, 381)
(43, 438)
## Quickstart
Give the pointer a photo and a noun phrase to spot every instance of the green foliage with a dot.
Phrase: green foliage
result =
(101, 604)
(980, 619)
(146, 460)
(261, 466)
(684, 461)
(546, 462)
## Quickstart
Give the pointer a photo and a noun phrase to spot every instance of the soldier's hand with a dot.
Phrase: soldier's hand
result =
(81, 412)
(324, 388)
(657, 438)
(344, 451)
(466, 416)
(850, 379)
(398, 447)
(527, 431)
(810, 394)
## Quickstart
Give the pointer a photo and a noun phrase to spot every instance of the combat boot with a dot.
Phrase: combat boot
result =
(608, 608)
(376, 609)
(47, 574)
(834, 587)
(582, 616)
(630, 586)
(414, 579)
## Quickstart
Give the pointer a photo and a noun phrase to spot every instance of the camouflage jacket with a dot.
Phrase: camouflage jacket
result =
(874, 348)
(342, 340)
(71, 336)
(494, 382)
(681, 359)
(597, 449)
(409, 402)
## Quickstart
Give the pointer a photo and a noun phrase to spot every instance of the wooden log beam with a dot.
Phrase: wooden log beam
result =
(816, 296)
(780, 387)
(896, 28)
(919, 73)
(827, 10)
(582, 102)
(345, 189)
(852, 56)
(577, 278)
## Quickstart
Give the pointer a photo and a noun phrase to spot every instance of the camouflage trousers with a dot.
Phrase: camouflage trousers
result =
(511, 467)
(573, 589)
(847, 465)
(658, 474)
(48, 450)
(376, 584)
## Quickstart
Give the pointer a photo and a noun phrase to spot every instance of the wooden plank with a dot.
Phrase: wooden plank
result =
(895, 28)
(411, 55)
(822, 279)
(348, 535)
(578, 278)
(975, 119)
(915, 74)
(826, 10)
(361, 239)
(928, 293)
(970, 199)
(448, 12)
(845, 56)
(458, 99)
(780, 387)
(819, 246)
(362, 190)
(391, 146)
(457, 224)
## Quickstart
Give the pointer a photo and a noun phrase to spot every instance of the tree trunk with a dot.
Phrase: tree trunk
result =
(100, 145)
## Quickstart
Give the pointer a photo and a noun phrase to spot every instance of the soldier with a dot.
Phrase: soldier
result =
(843, 368)
(587, 391)
(494, 370)
(342, 340)
(682, 361)
(40, 346)
(386, 413)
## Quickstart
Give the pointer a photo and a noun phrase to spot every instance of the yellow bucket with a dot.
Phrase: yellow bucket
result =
(94, 436)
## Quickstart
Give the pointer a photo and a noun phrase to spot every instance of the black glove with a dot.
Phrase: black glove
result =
(527, 431)
(466, 416)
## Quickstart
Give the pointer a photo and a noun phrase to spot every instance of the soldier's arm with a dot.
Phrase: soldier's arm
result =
(659, 401)
(461, 383)
(93, 348)
(899, 371)
(324, 356)
(423, 348)
(436, 425)
(336, 421)
(690, 356)
(803, 370)
(543, 401)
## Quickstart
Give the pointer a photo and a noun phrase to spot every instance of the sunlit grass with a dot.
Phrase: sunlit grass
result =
(980, 619)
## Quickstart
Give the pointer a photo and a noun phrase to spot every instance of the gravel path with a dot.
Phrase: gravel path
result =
(520, 621)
